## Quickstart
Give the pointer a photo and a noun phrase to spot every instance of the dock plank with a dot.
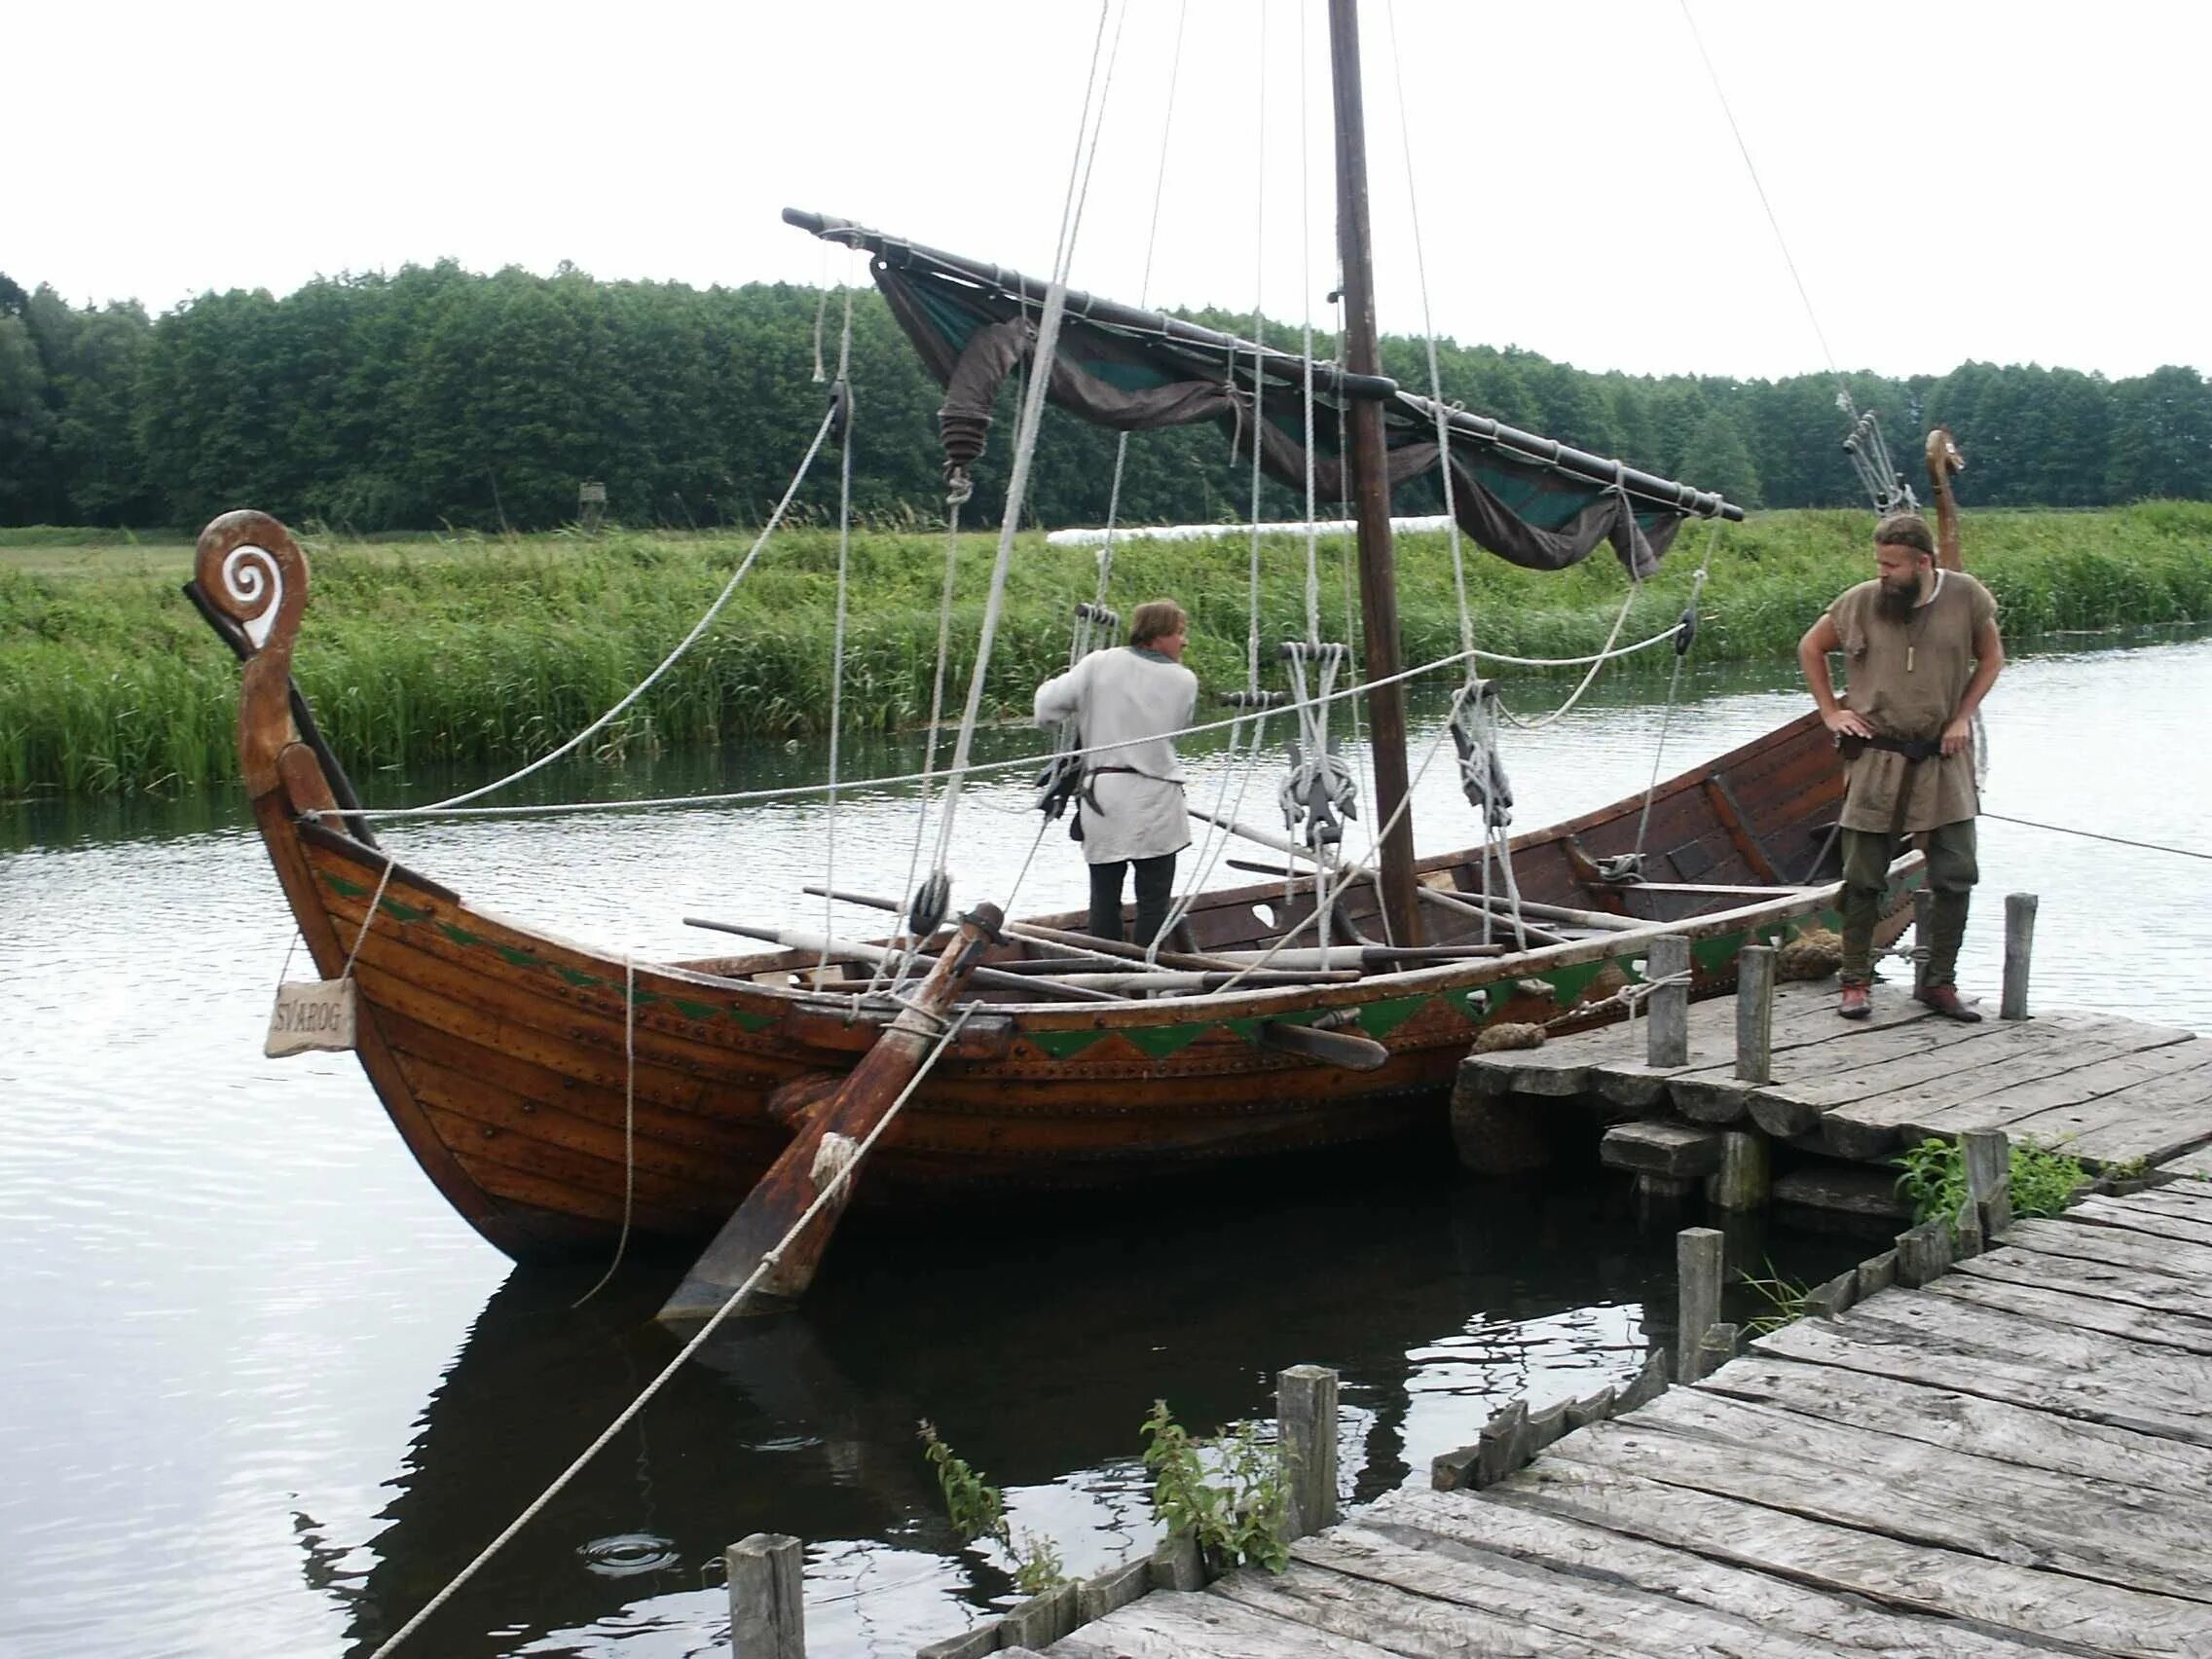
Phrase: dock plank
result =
(1450, 1523)
(2027, 1600)
(1530, 1597)
(1795, 1101)
(2082, 1277)
(1716, 1094)
(2071, 1311)
(1337, 1604)
(1870, 1482)
(2149, 1220)
(2162, 1405)
(1198, 1624)
(1945, 1105)
(2125, 1247)
(1962, 1423)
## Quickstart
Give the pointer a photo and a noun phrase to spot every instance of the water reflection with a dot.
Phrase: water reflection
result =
(265, 1393)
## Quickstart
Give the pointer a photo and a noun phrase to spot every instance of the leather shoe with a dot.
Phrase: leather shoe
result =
(1854, 1003)
(1944, 1000)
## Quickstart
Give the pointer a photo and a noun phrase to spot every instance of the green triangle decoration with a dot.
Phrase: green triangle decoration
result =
(1379, 1019)
(1162, 1041)
(1062, 1044)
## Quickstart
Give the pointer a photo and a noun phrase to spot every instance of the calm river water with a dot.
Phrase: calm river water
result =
(264, 1393)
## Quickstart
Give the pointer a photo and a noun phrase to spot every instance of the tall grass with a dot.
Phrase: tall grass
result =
(492, 651)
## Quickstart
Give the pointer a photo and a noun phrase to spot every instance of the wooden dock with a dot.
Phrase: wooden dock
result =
(2109, 1091)
(2015, 1458)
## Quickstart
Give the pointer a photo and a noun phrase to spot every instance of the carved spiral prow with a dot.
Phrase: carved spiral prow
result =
(1943, 460)
(252, 571)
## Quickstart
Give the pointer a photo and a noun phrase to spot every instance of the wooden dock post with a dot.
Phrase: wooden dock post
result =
(1989, 1178)
(1699, 1254)
(1743, 1181)
(2019, 946)
(767, 1609)
(1923, 936)
(1306, 1419)
(1667, 1025)
(1755, 1014)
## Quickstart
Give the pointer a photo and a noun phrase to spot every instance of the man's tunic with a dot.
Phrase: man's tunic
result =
(1905, 680)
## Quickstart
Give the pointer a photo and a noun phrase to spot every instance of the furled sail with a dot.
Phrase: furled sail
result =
(1527, 498)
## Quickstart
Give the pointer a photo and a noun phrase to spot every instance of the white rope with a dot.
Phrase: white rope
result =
(1428, 332)
(822, 1200)
(1144, 290)
(668, 662)
(1217, 834)
(738, 797)
(1537, 723)
(1025, 444)
(1674, 687)
(837, 637)
(629, 1121)
(368, 921)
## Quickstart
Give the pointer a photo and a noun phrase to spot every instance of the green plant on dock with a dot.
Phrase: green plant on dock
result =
(2045, 1179)
(1229, 1494)
(1786, 1301)
(977, 1510)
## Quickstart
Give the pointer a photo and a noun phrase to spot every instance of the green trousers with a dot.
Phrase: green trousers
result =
(1951, 874)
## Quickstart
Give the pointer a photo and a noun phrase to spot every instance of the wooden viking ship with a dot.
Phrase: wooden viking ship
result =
(500, 1053)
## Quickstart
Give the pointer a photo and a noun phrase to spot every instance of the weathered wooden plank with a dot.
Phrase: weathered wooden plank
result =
(1184, 1624)
(1662, 1148)
(2168, 1328)
(2083, 1278)
(1905, 1058)
(2049, 1605)
(2125, 1247)
(1842, 1190)
(1976, 1098)
(1529, 1599)
(2021, 1109)
(1810, 1078)
(2175, 1200)
(2195, 1164)
(1877, 1483)
(2156, 1405)
(1313, 1599)
(1976, 1424)
(1545, 1537)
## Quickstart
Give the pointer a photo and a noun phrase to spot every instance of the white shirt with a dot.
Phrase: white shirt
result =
(1126, 698)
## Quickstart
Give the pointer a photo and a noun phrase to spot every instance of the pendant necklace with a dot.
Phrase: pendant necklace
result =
(1919, 623)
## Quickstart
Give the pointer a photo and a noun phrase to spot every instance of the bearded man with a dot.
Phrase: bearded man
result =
(1921, 651)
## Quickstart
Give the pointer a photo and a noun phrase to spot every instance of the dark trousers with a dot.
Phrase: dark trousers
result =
(1952, 871)
(1156, 889)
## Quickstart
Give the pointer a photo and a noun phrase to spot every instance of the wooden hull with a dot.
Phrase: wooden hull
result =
(499, 1053)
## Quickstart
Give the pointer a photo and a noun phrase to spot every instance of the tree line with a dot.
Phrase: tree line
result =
(437, 396)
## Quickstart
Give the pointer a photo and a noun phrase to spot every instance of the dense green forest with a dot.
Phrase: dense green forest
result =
(436, 396)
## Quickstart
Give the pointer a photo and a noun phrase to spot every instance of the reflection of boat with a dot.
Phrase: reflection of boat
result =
(500, 1054)
(806, 1426)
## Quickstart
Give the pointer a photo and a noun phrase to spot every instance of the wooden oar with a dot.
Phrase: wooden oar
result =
(852, 949)
(828, 1138)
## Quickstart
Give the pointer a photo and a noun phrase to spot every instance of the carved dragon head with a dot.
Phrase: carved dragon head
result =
(1943, 457)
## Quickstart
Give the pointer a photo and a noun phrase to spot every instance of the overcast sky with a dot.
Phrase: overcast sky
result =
(2008, 181)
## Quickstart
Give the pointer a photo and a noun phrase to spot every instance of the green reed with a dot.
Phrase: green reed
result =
(492, 650)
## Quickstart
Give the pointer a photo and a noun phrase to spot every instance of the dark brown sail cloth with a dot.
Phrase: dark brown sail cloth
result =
(1512, 504)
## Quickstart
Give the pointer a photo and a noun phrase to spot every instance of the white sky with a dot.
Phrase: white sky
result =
(2011, 181)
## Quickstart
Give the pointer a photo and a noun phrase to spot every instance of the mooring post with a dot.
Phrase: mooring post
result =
(1989, 1178)
(1755, 1014)
(1923, 936)
(1699, 1253)
(1306, 1429)
(1667, 1025)
(2019, 946)
(767, 1608)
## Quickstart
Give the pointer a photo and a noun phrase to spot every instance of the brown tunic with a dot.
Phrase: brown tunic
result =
(1912, 702)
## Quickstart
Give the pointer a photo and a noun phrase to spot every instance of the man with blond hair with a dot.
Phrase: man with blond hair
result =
(1130, 805)
(1921, 651)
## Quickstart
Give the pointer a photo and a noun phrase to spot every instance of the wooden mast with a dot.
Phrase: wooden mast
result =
(1371, 488)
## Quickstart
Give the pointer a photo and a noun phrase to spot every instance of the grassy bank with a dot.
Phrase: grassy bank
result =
(494, 650)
